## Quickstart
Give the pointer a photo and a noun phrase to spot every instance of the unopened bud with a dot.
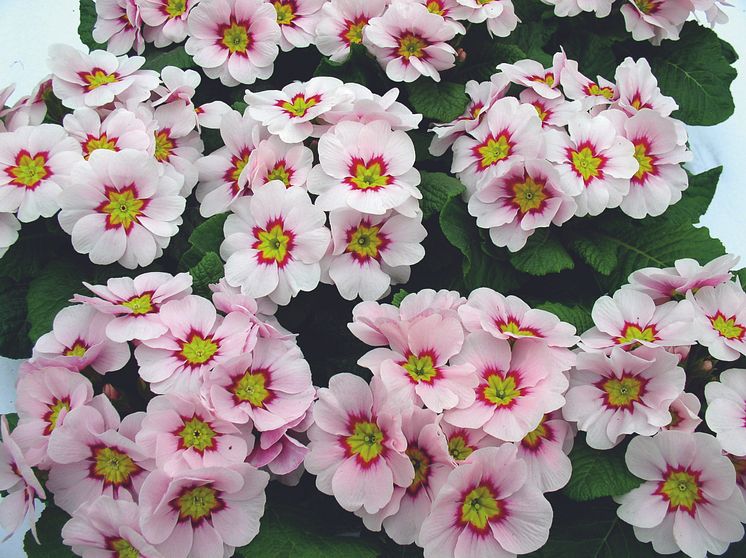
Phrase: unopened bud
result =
(111, 392)
(461, 55)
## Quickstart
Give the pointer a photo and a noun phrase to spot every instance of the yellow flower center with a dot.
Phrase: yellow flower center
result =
(123, 208)
(239, 164)
(480, 506)
(285, 12)
(53, 414)
(646, 6)
(364, 242)
(410, 45)
(494, 150)
(586, 164)
(299, 105)
(727, 327)
(421, 368)
(197, 434)
(354, 33)
(175, 8)
(163, 145)
(623, 392)
(366, 441)
(77, 350)
(529, 195)
(368, 176)
(101, 142)
(534, 438)
(421, 464)
(198, 503)
(458, 448)
(280, 172)
(198, 350)
(645, 161)
(251, 388)
(681, 489)
(541, 110)
(633, 333)
(123, 549)
(29, 171)
(512, 327)
(435, 7)
(501, 391)
(597, 91)
(97, 77)
(139, 305)
(113, 466)
(236, 38)
(274, 244)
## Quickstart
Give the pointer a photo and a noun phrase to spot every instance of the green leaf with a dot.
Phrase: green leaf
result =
(208, 236)
(438, 101)
(209, 270)
(599, 253)
(87, 21)
(596, 474)
(542, 255)
(578, 316)
(49, 293)
(696, 198)
(158, 59)
(49, 528)
(14, 342)
(437, 189)
(696, 71)
(349, 70)
(398, 297)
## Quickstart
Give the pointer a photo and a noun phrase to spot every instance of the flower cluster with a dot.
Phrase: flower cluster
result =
(456, 438)
(186, 476)
(566, 146)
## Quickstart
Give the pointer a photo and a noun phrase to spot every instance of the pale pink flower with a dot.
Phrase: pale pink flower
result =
(34, 162)
(409, 41)
(107, 527)
(637, 89)
(526, 198)
(589, 93)
(554, 113)
(290, 113)
(499, 15)
(78, 340)
(209, 115)
(622, 393)
(342, 23)
(720, 320)
(274, 241)
(488, 507)
(545, 451)
(276, 160)
(570, 8)
(165, 20)
(726, 410)
(462, 442)
(98, 78)
(517, 387)
(120, 129)
(712, 10)
(532, 74)
(370, 253)
(203, 512)
(368, 167)
(197, 340)
(135, 303)
(29, 110)
(281, 453)
(261, 311)
(684, 413)
(95, 454)
(118, 207)
(177, 84)
(298, 20)
(270, 387)
(689, 500)
(427, 301)
(366, 107)
(369, 320)
(234, 40)
(451, 10)
(631, 318)
(9, 227)
(118, 24)
(655, 20)
(357, 449)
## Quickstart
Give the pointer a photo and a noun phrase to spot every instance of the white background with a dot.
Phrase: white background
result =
(28, 27)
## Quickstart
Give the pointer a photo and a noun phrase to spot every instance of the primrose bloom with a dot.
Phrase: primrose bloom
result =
(410, 41)
(499, 15)
(78, 340)
(118, 25)
(545, 450)
(583, 89)
(98, 78)
(9, 227)
(34, 162)
(689, 500)
(655, 20)
(554, 113)
(357, 449)
(516, 387)
(570, 8)
(203, 512)
(370, 253)
(726, 410)
(462, 442)
(531, 74)
(105, 526)
(270, 387)
(684, 413)
(274, 241)
(341, 25)
(179, 85)
(165, 20)
(637, 89)
(368, 167)
(366, 107)
(720, 320)
(289, 112)
(276, 160)
(298, 20)
(526, 198)
(487, 507)
(118, 207)
(120, 129)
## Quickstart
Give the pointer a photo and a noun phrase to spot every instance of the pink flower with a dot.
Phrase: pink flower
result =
(371, 253)
(726, 410)
(357, 448)
(689, 500)
(118, 207)
(197, 339)
(581, 88)
(276, 160)
(637, 89)
(499, 15)
(274, 241)
(118, 24)
(78, 340)
(554, 113)
(545, 450)
(177, 84)
(96, 79)
(298, 20)
(281, 453)
(93, 454)
(427, 301)
(487, 508)
(29, 110)
(684, 413)
(630, 319)
(366, 107)
(569, 8)
(34, 162)
(135, 303)
(462, 442)
(655, 20)
(622, 393)
(270, 387)
(120, 129)
(234, 40)
(527, 197)
(165, 20)
(533, 75)
(209, 115)
(720, 320)
(516, 387)
(203, 512)
(43, 400)
(342, 24)
(409, 41)
(9, 227)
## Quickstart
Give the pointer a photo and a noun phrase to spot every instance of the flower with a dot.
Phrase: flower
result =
(720, 320)
(120, 129)
(282, 453)
(234, 40)
(684, 413)
(177, 84)
(118, 207)
(554, 113)
(631, 318)
(533, 75)
(527, 197)
(655, 20)
(622, 393)
(276, 160)
(78, 340)
(570, 8)
(273, 243)
(409, 41)
(196, 340)
(135, 303)
(29, 110)
(357, 449)
(342, 23)
(200, 512)
(517, 387)
(298, 20)
(637, 89)
(545, 451)
(270, 387)
(118, 25)
(96, 79)
(290, 112)
(95, 454)
(689, 500)
(9, 227)
(368, 167)
(34, 161)
(370, 253)
(726, 410)
(366, 107)
(589, 93)
(487, 508)
(106, 526)
(165, 20)
(462, 442)
(499, 15)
